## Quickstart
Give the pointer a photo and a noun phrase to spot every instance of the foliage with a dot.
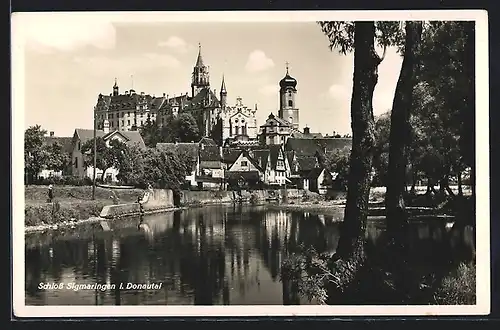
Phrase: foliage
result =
(341, 34)
(150, 132)
(38, 155)
(338, 162)
(163, 169)
(459, 287)
(58, 159)
(182, 128)
(113, 155)
(35, 156)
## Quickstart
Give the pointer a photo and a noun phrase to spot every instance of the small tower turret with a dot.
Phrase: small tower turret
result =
(115, 89)
(223, 94)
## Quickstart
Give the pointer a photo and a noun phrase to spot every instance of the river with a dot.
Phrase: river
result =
(217, 255)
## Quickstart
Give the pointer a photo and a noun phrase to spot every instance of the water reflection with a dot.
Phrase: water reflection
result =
(208, 256)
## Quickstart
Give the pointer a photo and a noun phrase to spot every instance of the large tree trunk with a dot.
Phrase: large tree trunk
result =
(350, 248)
(400, 132)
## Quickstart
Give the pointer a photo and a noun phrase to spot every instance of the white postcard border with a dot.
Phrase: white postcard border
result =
(482, 164)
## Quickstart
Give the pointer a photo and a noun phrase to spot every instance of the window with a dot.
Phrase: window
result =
(290, 103)
(141, 122)
(244, 163)
(79, 145)
(123, 122)
(128, 113)
(128, 122)
(76, 162)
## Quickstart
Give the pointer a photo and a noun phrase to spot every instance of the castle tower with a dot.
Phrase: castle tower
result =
(288, 109)
(223, 94)
(115, 89)
(201, 77)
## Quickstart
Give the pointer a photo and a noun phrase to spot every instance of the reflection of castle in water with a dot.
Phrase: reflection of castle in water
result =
(218, 256)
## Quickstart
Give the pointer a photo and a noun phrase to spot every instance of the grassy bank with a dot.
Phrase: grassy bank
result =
(58, 212)
(38, 194)
(71, 203)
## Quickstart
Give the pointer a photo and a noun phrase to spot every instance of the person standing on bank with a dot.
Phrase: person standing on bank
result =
(50, 193)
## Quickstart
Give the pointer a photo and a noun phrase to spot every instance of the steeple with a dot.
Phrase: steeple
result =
(115, 89)
(223, 86)
(201, 75)
(223, 93)
(199, 60)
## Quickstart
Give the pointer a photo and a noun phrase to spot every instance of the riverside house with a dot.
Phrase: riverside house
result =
(81, 136)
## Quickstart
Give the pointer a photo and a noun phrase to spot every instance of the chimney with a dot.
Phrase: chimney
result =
(51, 134)
(306, 130)
(142, 93)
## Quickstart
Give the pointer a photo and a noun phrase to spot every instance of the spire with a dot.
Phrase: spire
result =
(286, 63)
(116, 83)
(223, 86)
(199, 61)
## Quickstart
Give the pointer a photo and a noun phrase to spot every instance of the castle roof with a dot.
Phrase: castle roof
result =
(200, 100)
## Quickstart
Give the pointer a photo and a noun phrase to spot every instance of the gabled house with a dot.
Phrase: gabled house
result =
(81, 136)
(306, 157)
(244, 171)
(275, 164)
(211, 169)
(318, 180)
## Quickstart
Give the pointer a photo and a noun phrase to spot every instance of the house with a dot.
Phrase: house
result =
(274, 162)
(82, 136)
(65, 143)
(244, 171)
(318, 180)
(306, 157)
(275, 131)
(211, 169)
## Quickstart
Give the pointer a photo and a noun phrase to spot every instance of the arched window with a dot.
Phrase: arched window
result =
(290, 103)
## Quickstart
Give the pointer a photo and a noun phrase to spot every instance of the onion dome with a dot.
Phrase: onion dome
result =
(288, 81)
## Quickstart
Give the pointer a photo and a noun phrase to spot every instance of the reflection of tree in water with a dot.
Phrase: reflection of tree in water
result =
(429, 257)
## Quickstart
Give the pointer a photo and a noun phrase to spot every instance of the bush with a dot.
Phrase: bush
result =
(254, 199)
(458, 288)
(65, 180)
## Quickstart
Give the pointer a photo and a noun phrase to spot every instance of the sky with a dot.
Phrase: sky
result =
(70, 59)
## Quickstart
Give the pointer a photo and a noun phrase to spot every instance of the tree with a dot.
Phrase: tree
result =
(150, 132)
(163, 169)
(35, 155)
(57, 159)
(188, 130)
(338, 162)
(107, 156)
(399, 138)
(360, 38)
(180, 129)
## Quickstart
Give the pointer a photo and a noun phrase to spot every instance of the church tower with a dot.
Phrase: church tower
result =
(223, 94)
(201, 77)
(288, 109)
(115, 89)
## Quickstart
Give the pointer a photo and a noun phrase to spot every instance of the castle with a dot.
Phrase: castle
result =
(216, 118)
